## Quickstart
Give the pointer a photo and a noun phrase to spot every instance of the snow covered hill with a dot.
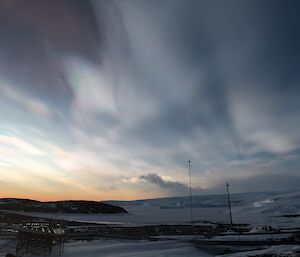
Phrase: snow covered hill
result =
(278, 209)
(257, 208)
(256, 199)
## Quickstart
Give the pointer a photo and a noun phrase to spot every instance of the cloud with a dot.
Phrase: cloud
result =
(275, 181)
(18, 144)
(128, 87)
(29, 103)
(171, 187)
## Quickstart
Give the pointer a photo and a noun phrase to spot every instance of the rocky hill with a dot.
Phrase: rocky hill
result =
(28, 205)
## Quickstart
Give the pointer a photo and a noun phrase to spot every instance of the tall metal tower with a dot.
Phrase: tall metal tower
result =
(229, 203)
(191, 203)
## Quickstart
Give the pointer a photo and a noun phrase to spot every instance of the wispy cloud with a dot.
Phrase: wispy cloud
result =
(18, 144)
(147, 86)
(31, 104)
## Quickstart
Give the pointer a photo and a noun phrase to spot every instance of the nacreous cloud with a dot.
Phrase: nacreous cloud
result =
(111, 91)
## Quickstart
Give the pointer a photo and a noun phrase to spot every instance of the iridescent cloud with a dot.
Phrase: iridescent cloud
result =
(108, 100)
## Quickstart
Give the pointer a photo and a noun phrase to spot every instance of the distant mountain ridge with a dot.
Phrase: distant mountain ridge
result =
(70, 206)
(211, 201)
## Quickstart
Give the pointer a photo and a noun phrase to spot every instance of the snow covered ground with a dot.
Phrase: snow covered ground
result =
(279, 209)
(139, 215)
(122, 248)
(7, 246)
(287, 250)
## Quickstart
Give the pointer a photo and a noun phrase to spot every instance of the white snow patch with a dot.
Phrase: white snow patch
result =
(262, 203)
(287, 250)
(122, 248)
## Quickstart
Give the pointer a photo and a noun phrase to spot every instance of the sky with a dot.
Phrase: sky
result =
(110, 99)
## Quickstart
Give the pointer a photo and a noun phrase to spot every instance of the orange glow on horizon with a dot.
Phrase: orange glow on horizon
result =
(72, 196)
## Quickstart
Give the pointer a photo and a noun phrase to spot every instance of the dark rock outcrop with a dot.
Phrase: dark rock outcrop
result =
(28, 205)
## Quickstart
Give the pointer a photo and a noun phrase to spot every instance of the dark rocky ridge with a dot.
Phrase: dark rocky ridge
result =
(28, 205)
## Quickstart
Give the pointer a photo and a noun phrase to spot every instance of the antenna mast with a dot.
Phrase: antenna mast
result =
(229, 203)
(191, 204)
